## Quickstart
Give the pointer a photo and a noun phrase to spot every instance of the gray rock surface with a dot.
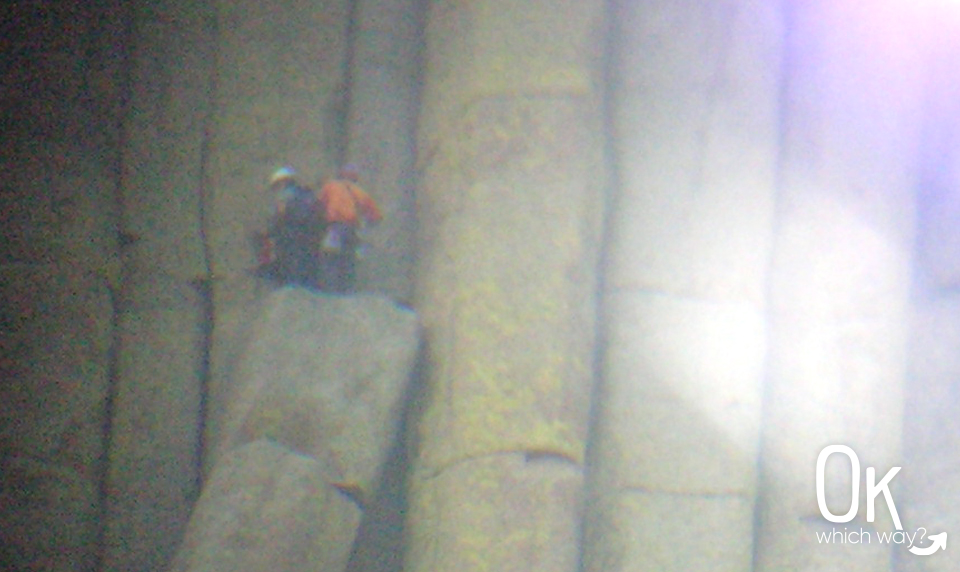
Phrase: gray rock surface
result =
(319, 396)
(677, 431)
(267, 508)
(840, 291)
(325, 376)
(54, 374)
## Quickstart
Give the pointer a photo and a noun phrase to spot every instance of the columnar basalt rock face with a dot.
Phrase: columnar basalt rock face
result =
(381, 126)
(267, 508)
(512, 198)
(841, 275)
(755, 302)
(930, 491)
(325, 376)
(695, 99)
(155, 450)
(222, 94)
(317, 406)
(55, 368)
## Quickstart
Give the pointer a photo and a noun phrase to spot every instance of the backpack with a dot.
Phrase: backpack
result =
(302, 209)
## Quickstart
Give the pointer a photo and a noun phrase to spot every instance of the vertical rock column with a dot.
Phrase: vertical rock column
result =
(155, 445)
(317, 405)
(840, 278)
(55, 341)
(511, 149)
(931, 433)
(673, 454)
(61, 65)
(381, 127)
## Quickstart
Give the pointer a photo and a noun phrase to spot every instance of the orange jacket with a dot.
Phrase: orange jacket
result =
(341, 200)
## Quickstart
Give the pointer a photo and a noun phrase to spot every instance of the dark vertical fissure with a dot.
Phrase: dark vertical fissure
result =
(609, 69)
(783, 94)
(345, 102)
(419, 73)
(115, 285)
(106, 429)
(204, 285)
(383, 535)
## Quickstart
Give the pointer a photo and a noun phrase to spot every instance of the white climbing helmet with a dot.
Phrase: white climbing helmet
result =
(282, 174)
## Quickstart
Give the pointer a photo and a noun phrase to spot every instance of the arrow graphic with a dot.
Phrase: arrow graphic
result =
(939, 542)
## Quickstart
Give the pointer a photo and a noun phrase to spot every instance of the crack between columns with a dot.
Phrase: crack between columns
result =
(346, 103)
(530, 456)
(609, 197)
(115, 285)
(204, 284)
(608, 66)
(640, 489)
(784, 12)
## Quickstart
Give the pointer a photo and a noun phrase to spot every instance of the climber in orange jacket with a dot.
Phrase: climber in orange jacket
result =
(346, 208)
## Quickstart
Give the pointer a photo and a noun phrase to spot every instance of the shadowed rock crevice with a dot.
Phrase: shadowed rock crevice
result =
(381, 537)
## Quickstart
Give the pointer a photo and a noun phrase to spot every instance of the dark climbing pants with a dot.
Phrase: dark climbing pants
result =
(298, 260)
(339, 267)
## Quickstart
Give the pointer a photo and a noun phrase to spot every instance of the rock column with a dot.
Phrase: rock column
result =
(931, 435)
(695, 129)
(316, 408)
(841, 277)
(62, 69)
(381, 126)
(155, 444)
(512, 196)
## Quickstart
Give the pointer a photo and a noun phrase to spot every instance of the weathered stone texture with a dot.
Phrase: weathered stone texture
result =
(761, 254)
(694, 130)
(266, 508)
(58, 270)
(648, 530)
(502, 48)
(841, 272)
(278, 91)
(318, 401)
(382, 122)
(154, 450)
(510, 211)
(155, 447)
(507, 284)
(326, 376)
(510, 512)
(55, 343)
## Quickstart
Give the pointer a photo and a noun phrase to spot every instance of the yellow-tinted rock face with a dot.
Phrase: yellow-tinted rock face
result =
(511, 207)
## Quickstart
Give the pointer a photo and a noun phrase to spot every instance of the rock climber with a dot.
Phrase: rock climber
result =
(292, 246)
(346, 208)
